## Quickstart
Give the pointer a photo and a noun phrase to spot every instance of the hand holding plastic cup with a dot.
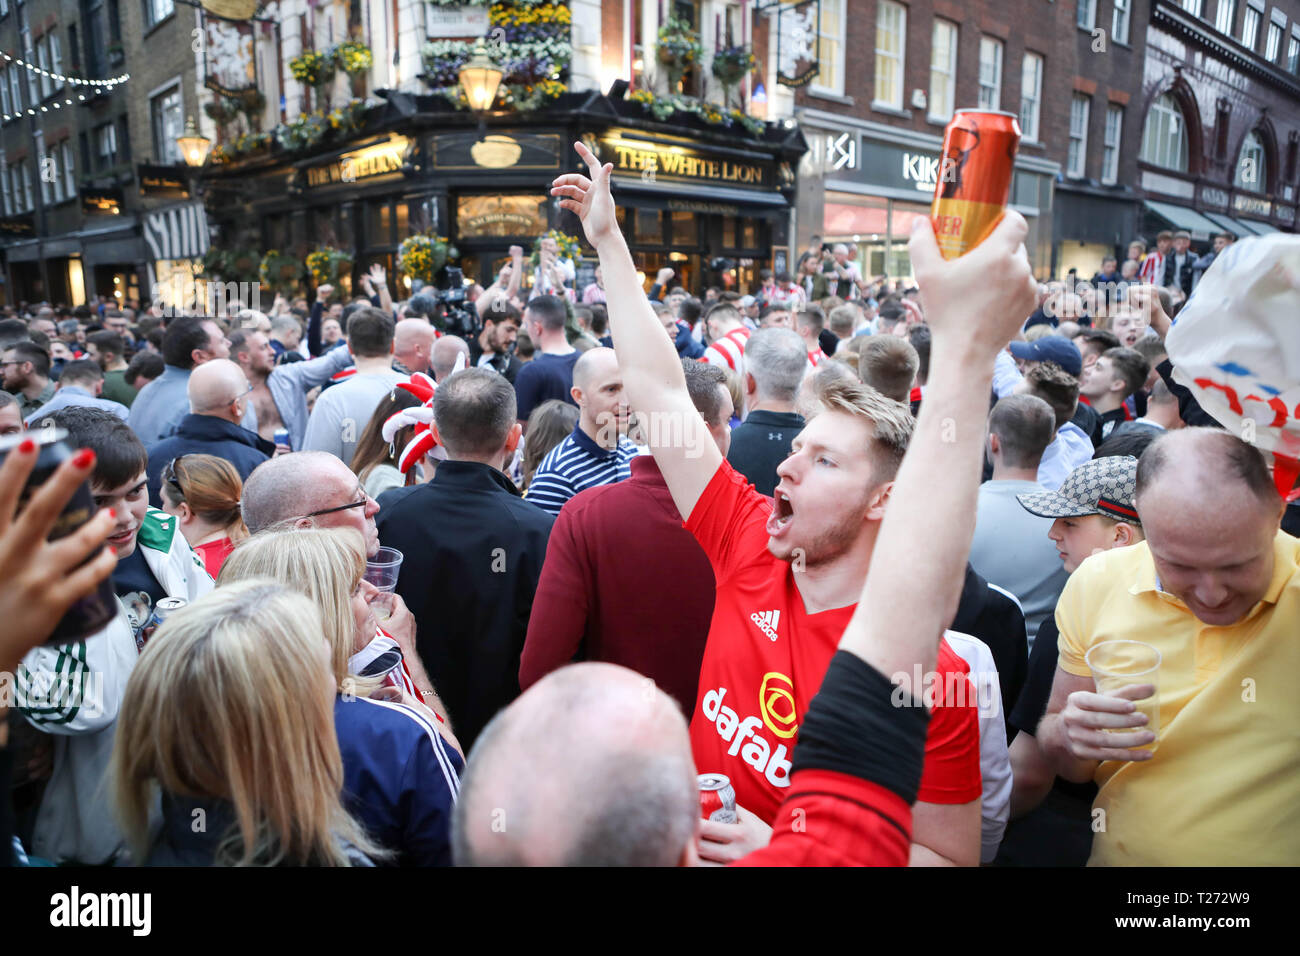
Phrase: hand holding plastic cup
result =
(382, 569)
(1116, 665)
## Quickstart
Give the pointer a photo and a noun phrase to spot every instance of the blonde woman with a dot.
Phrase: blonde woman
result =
(400, 776)
(229, 714)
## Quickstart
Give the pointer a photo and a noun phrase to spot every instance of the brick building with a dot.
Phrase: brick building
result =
(71, 193)
(1194, 126)
(889, 77)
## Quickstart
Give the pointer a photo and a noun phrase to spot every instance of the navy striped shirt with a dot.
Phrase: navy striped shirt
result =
(576, 464)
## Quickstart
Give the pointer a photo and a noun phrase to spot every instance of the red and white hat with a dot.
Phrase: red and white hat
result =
(422, 441)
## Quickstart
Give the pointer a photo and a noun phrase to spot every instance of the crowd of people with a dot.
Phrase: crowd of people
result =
(848, 542)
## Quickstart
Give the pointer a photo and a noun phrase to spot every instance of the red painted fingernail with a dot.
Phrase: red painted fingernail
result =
(26, 446)
(84, 458)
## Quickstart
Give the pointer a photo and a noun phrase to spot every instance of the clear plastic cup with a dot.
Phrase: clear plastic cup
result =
(1119, 664)
(382, 569)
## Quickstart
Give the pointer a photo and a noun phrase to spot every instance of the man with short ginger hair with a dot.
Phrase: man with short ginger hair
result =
(1215, 588)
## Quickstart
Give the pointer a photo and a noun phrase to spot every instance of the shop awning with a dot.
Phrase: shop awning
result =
(1180, 217)
(1263, 228)
(1235, 226)
(701, 198)
(177, 232)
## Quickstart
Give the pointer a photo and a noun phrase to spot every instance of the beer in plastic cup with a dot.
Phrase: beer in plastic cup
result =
(1119, 664)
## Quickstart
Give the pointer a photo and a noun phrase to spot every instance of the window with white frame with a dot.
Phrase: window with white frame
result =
(943, 69)
(27, 185)
(1110, 144)
(1250, 27)
(1225, 16)
(16, 89)
(33, 92)
(1031, 95)
(891, 38)
(4, 91)
(155, 11)
(1293, 54)
(1077, 161)
(990, 74)
(165, 111)
(41, 167)
(830, 49)
(106, 145)
(56, 60)
(1192, 6)
(1164, 138)
(43, 61)
(1119, 21)
(1252, 169)
(1086, 14)
(69, 170)
(1273, 45)
(6, 190)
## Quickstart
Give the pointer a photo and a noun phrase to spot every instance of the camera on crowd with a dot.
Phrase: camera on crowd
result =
(444, 304)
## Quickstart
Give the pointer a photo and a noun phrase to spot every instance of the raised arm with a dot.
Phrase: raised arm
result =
(974, 305)
(652, 371)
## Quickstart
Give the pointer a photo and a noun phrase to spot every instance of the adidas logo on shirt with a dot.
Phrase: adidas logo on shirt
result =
(766, 621)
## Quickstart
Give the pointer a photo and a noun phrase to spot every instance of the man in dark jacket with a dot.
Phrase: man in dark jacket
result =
(994, 616)
(775, 361)
(473, 552)
(1180, 264)
(218, 392)
(492, 347)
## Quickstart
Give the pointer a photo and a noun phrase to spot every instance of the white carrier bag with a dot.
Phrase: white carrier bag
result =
(1236, 346)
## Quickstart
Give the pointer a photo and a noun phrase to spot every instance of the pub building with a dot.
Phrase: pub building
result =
(711, 203)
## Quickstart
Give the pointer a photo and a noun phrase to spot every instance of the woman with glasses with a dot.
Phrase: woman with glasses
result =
(203, 491)
(229, 717)
(401, 775)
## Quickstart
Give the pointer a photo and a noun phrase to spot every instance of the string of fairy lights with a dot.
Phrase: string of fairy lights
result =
(96, 87)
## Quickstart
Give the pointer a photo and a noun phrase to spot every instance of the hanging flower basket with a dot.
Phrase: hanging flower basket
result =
(279, 271)
(422, 255)
(355, 59)
(678, 49)
(312, 68)
(730, 64)
(327, 263)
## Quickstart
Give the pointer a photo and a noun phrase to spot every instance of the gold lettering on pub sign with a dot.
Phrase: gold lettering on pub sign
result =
(377, 160)
(668, 161)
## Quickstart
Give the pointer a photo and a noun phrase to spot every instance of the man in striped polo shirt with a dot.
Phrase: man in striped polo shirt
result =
(598, 451)
(728, 333)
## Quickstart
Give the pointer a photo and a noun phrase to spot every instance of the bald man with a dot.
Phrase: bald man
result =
(219, 395)
(597, 452)
(1215, 590)
(446, 351)
(413, 345)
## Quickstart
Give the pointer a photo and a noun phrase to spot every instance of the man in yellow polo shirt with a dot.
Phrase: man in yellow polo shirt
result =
(1216, 589)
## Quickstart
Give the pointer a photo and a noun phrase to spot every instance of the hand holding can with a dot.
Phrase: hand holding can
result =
(974, 182)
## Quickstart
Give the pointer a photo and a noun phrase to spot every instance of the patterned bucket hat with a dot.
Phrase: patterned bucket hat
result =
(1103, 486)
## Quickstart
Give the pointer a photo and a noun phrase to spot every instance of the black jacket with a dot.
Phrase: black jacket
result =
(760, 443)
(987, 613)
(207, 435)
(473, 551)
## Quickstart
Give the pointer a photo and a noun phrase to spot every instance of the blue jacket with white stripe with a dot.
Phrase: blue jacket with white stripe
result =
(400, 778)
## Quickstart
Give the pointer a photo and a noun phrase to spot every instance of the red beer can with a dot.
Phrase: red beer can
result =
(974, 182)
(717, 798)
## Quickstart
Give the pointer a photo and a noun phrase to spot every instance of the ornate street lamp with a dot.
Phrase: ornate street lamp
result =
(479, 78)
(194, 145)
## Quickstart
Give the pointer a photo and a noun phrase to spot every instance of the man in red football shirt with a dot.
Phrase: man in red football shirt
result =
(789, 577)
(608, 735)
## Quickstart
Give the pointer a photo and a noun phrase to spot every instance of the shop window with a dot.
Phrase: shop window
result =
(649, 227)
(729, 232)
(685, 231)
(403, 220)
(379, 225)
(748, 234)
